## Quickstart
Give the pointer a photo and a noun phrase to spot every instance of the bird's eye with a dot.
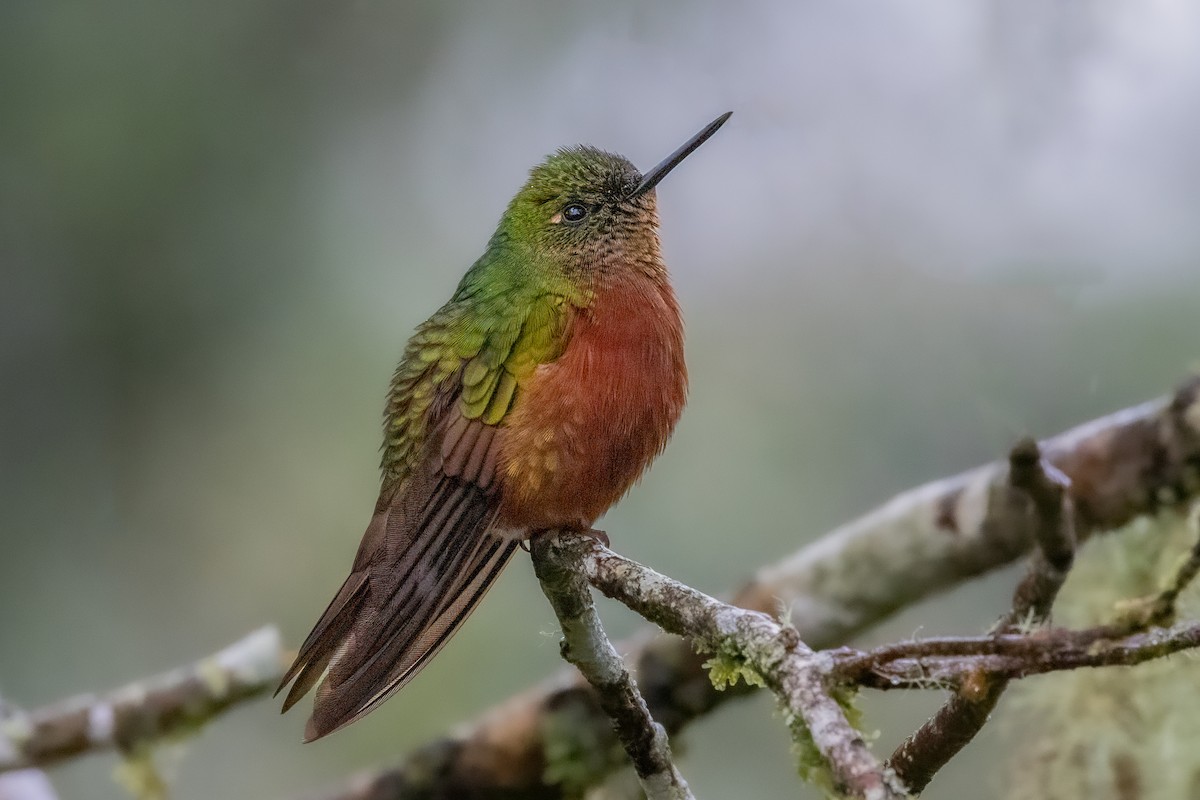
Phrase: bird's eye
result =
(574, 212)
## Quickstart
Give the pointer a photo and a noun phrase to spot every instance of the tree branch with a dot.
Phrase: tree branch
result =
(957, 722)
(1134, 462)
(559, 568)
(951, 661)
(150, 709)
(775, 652)
(1053, 527)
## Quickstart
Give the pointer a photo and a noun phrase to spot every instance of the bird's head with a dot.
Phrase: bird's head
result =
(587, 213)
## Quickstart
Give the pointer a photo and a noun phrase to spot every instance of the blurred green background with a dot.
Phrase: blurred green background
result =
(929, 228)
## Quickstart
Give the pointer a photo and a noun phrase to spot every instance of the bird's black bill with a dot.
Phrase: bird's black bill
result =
(651, 178)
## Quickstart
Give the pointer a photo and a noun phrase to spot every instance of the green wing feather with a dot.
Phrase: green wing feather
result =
(474, 357)
(427, 557)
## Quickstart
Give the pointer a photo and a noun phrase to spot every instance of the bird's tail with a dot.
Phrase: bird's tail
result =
(426, 561)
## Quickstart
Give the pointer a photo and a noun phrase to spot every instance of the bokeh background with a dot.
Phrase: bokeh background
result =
(929, 228)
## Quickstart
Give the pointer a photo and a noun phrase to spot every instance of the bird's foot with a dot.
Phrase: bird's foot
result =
(528, 540)
(591, 533)
(598, 535)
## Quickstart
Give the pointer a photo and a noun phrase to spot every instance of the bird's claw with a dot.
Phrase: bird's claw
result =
(591, 533)
(599, 536)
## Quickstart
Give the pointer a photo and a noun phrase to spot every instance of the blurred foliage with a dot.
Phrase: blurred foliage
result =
(1122, 733)
(928, 229)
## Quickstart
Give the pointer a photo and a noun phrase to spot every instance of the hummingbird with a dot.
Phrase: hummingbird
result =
(531, 401)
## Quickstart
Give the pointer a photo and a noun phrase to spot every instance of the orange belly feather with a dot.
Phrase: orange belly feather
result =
(589, 423)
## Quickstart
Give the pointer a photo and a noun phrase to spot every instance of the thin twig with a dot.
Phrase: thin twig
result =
(955, 662)
(150, 709)
(1053, 531)
(1159, 610)
(585, 645)
(965, 713)
(853, 666)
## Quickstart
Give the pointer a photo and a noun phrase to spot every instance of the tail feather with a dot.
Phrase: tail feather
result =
(331, 712)
(429, 561)
(398, 617)
(326, 637)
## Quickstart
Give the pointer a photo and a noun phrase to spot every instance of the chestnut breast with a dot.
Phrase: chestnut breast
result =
(588, 424)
